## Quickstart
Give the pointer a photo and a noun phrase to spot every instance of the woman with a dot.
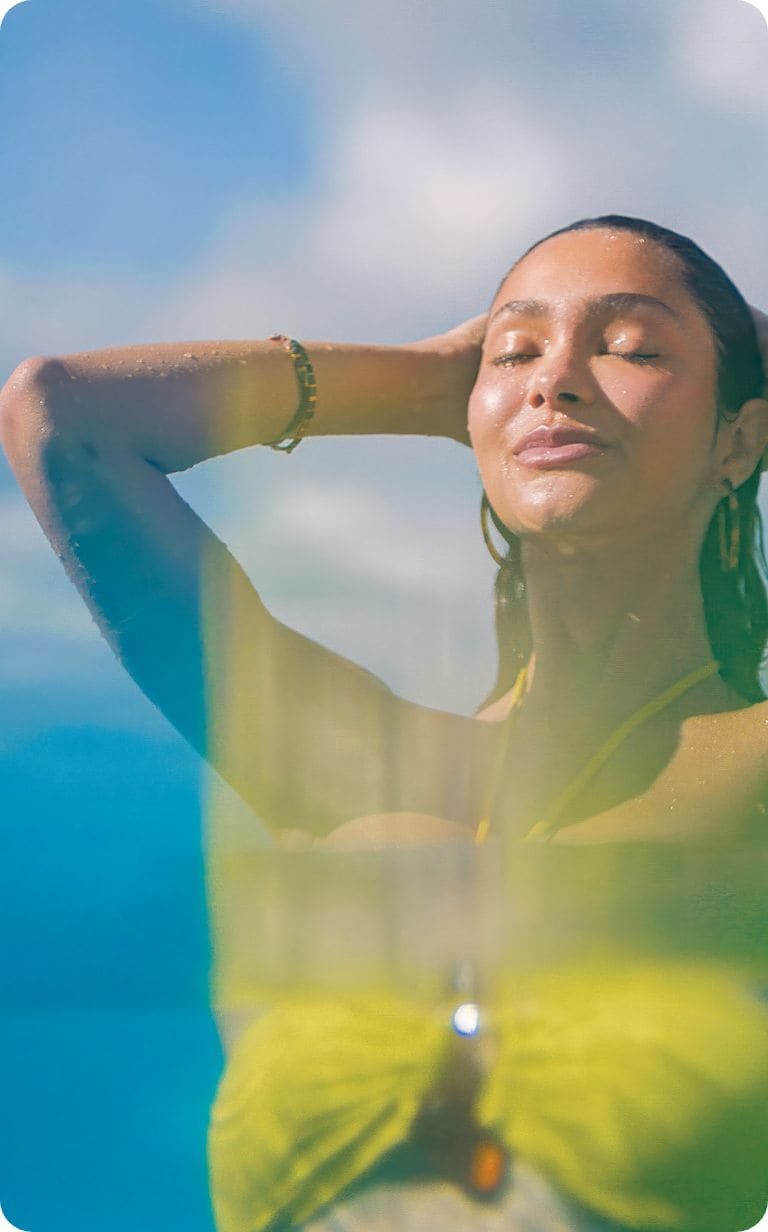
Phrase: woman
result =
(615, 411)
(609, 533)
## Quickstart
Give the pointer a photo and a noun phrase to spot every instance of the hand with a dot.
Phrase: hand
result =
(459, 350)
(471, 334)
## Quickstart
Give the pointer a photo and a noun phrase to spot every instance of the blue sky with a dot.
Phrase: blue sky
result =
(159, 132)
(187, 169)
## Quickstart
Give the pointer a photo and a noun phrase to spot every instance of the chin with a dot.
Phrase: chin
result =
(560, 506)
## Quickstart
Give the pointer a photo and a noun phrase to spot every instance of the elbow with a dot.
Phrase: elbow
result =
(36, 372)
(26, 400)
(35, 375)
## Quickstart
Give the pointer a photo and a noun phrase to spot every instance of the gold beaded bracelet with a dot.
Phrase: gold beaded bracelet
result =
(305, 375)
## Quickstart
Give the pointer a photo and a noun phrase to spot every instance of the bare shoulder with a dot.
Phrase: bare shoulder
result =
(755, 717)
(741, 733)
(723, 757)
(742, 738)
(714, 787)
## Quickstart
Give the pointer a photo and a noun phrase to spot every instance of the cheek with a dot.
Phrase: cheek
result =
(660, 414)
(668, 433)
(484, 404)
(491, 411)
(672, 423)
(633, 391)
(491, 421)
(487, 419)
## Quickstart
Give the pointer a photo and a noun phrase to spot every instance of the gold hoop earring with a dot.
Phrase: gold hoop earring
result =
(485, 516)
(729, 529)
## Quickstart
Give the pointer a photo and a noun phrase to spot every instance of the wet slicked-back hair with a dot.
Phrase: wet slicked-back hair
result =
(735, 604)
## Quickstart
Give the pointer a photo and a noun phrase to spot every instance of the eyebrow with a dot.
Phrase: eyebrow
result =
(620, 301)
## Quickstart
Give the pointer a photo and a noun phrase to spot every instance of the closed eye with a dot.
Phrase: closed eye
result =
(636, 357)
(513, 357)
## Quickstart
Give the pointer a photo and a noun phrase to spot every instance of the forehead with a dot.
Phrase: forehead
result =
(583, 265)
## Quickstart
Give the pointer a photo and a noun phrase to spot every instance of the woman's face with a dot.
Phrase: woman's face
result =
(594, 408)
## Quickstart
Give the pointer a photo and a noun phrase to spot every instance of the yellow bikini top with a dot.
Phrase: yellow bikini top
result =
(640, 1089)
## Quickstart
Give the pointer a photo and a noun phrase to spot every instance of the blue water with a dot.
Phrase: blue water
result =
(108, 1055)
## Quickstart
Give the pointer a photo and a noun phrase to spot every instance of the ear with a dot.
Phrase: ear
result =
(747, 441)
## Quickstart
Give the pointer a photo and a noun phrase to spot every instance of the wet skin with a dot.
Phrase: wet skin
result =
(595, 329)
(594, 339)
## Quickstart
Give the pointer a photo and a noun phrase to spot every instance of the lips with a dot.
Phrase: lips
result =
(552, 438)
(554, 446)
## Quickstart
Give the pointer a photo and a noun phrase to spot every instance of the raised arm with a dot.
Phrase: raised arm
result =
(177, 404)
(306, 738)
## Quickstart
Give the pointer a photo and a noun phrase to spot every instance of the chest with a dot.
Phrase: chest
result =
(670, 780)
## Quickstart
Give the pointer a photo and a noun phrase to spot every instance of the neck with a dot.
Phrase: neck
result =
(611, 626)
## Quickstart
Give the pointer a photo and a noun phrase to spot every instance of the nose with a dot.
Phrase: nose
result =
(559, 375)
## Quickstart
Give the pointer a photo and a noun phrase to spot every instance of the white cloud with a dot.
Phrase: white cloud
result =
(414, 218)
(721, 47)
(359, 533)
(423, 198)
(443, 147)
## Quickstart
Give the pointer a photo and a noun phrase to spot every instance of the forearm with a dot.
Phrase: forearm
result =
(177, 404)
